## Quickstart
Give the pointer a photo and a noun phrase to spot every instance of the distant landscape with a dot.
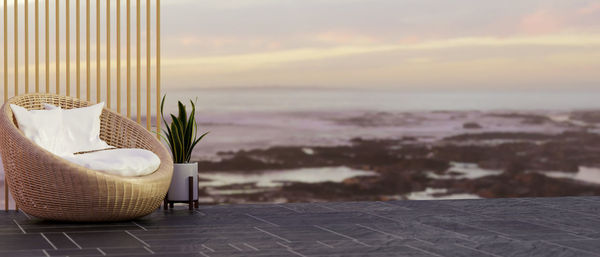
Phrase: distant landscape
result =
(343, 154)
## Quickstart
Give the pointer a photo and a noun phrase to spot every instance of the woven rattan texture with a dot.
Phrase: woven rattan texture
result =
(49, 187)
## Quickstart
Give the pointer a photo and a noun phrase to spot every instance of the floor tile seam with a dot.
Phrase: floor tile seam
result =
(288, 208)
(21, 228)
(49, 242)
(395, 206)
(273, 235)
(477, 250)
(594, 216)
(101, 252)
(71, 239)
(569, 247)
(137, 238)
(380, 231)
(343, 235)
(143, 228)
(541, 223)
(422, 250)
(460, 235)
(436, 228)
(261, 219)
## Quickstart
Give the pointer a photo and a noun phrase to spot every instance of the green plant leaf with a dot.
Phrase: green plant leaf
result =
(181, 134)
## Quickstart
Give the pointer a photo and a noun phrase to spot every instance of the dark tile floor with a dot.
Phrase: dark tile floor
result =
(567, 226)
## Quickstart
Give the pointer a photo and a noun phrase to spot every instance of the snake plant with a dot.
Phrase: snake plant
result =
(181, 134)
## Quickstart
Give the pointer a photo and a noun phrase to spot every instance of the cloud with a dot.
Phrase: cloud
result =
(249, 60)
(344, 37)
(541, 22)
(590, 9)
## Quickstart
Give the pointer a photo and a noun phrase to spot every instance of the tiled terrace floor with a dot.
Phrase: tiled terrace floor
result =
(491, 227)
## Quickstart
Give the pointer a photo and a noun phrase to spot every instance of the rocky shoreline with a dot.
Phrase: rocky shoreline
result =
(513, 164)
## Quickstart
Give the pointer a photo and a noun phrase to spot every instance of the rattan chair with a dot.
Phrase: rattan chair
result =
(49, 187)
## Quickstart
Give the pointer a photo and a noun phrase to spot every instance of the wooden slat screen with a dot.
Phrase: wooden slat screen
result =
(67, 19)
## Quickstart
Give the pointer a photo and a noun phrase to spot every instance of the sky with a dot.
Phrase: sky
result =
(392, 44)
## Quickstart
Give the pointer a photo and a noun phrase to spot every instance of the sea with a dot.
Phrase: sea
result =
(248, 118)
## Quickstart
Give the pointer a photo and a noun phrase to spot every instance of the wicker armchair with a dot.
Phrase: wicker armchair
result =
(49, 187)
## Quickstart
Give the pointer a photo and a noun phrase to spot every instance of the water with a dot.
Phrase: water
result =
(465, 171)
(584, 174)
(263, 117)
(285, 100)
(278, 178)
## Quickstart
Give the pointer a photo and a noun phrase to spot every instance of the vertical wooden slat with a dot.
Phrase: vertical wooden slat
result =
(57, 33)
(98, 93)
(16, 47)
(158, 94)
(5, 55)
(108, 92)
(67, 47)
(119, 56)
(26, 44)
(37, 47)
(87, 50)
(47, 42)
(138, 62)
(5, 90)
(128, 59)
(148, 67)
(77, 49)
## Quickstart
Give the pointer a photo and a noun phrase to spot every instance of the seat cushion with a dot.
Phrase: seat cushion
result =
(122, 161)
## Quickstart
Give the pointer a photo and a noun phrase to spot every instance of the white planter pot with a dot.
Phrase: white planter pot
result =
(179, 190)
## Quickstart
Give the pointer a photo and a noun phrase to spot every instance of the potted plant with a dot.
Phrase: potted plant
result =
(181, 135)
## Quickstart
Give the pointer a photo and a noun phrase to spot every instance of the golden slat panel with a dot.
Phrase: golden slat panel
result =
(87, 50)
(118, 56)
(16, 47)
(157, 67)
(26, 44)
(68, 60)
(128, 59)
(37, 47)
(47, 70)
(67, 46)
(57, 33)
(77, 48)
(137, 67)
(108, 92)
(5, 51)
(148, 66)
(16, 52)
(98, 90)
(5, 90)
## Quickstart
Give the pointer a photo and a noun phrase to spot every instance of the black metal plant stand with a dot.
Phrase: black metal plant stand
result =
(191, 202)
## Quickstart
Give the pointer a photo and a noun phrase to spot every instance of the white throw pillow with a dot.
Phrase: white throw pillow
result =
(44, 127)
(81, 128)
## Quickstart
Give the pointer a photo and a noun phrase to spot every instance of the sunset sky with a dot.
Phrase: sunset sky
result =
(398, 44)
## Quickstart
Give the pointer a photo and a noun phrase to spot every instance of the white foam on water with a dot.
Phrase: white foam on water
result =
(433, 194)
(584, 174)
(278, 178)
(465, 171)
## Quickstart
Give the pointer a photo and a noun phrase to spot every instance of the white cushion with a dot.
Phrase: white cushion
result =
(81, 128)
(44, 127)
(122, 161)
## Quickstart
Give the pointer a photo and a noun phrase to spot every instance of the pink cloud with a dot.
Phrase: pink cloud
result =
(541, 22)
(590, 9)
(345, 37)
